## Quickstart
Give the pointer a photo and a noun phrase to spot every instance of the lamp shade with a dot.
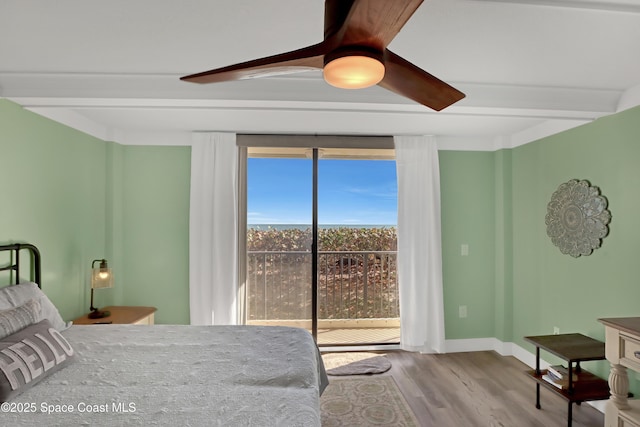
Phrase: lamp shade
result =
(101, 276)
(353, 70)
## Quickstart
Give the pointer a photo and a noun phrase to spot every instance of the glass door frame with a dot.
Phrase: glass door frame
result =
(314, 248)
(383, 144)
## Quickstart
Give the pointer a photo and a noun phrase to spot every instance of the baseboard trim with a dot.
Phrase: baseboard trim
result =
(473, 344)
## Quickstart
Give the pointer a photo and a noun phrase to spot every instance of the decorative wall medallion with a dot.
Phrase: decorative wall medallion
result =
(577, 218)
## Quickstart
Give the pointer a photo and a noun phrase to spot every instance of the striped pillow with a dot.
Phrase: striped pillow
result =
(17, 295)
(16, 319)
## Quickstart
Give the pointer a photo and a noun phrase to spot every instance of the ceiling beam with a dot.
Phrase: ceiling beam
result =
(612, 5)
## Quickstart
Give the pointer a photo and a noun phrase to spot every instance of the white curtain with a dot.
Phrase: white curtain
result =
(419, 244)
(213, 223)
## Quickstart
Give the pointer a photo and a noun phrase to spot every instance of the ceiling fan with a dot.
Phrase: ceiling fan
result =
(352, 55)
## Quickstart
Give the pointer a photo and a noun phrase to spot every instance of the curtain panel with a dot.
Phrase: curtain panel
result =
(213, 229)
(419, 244)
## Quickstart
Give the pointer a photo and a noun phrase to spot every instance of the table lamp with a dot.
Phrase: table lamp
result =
(101, 278)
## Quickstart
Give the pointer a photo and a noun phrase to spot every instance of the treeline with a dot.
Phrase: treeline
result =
(329, 239)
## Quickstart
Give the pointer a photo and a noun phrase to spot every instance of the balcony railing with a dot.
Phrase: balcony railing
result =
(351, 285)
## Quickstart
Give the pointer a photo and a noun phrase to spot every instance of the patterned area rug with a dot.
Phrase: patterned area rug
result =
(365, 401)
(358, 363)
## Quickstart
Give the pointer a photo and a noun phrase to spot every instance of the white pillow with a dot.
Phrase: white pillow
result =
(17, 295)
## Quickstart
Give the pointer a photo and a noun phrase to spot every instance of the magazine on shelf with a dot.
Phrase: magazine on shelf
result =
(559, 383)
(561, 373)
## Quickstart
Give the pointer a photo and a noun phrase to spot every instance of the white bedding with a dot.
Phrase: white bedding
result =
(179, 376)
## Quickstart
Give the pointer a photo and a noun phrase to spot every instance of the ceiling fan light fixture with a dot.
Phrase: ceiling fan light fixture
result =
(353, 55)
(353, 69)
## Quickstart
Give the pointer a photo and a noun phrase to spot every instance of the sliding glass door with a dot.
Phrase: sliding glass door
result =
(321, 243)
(357, 282)
(279, 241)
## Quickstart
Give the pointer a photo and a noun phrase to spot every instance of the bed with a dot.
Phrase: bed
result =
(151, 375)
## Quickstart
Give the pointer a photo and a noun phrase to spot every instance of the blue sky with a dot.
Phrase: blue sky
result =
(350, 192)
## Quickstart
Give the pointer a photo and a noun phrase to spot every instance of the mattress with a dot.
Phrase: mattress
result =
(179, 375)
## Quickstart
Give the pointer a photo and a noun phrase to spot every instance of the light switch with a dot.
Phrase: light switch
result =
(464, 249)
(462, 311)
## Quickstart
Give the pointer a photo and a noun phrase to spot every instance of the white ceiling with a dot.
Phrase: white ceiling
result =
(111, 68)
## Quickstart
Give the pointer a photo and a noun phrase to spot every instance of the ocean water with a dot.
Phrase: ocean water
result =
(322, 226)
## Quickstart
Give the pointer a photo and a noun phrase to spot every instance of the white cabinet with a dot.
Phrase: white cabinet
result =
(622, 350)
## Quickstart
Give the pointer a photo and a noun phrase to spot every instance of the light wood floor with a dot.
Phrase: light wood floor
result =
(479, 389)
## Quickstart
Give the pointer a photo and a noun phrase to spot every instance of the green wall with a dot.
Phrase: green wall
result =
(549, 288)
(53, 196)
(468, 211)
(78, 198)
(156, 230)
(503, 223)
(514, 281)
(573, 292)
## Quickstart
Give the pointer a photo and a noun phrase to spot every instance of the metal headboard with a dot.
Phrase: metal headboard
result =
(14, 263)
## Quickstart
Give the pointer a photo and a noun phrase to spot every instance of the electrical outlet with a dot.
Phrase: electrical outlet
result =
(556, 330)
(464, 249)
(462, 311)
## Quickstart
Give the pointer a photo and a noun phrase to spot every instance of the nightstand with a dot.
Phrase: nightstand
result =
(121, 315)
(574, 348)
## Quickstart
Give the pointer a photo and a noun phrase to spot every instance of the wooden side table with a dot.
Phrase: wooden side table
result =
(123, 315)
(573, 348)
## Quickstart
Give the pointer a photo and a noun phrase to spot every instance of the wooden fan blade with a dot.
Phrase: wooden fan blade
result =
(372, 23)
(310, 57)
(404, 78)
